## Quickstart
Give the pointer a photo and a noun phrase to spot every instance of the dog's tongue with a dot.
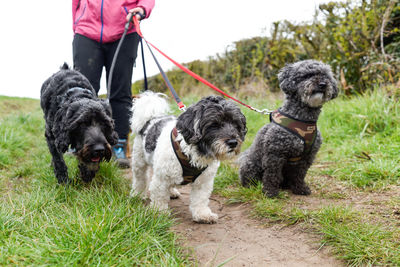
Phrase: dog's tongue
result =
(96, 159)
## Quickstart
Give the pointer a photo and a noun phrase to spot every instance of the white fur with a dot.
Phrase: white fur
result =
(164, 165)
(316, 100)
(147, 106)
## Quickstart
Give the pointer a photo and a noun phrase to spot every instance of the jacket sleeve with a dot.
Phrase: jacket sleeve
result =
(75, 6)
(147, 5)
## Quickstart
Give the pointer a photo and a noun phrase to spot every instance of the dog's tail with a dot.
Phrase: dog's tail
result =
(146, 106)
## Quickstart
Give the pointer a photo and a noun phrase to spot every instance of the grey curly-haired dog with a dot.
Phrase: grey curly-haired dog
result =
(170, 151)
(283, 150)
(76, 117)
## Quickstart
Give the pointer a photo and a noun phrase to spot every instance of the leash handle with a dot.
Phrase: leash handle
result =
(136, 23)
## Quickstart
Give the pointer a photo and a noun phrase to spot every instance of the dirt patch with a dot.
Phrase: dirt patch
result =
(240, 240)
(381, 206)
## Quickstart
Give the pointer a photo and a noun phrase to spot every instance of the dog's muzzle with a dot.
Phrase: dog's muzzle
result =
(98, 153)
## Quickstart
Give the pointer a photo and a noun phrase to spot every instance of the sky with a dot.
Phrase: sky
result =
(36, 36)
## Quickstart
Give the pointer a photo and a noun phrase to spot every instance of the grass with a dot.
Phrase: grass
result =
(358, 160)
(354, 208)
(42, 223)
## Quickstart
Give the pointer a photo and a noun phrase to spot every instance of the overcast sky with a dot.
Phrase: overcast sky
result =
(36, 36)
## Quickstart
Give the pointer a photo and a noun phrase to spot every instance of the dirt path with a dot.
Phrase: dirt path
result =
(243, 241)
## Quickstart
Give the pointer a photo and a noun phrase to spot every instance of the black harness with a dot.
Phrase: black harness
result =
(189, 172)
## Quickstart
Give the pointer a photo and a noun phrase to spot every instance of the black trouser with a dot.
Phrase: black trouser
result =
(90, 57)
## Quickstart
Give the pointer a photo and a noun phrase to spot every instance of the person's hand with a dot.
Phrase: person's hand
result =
(140, 13)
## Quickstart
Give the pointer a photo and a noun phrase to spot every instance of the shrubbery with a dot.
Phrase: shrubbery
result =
(359, 39)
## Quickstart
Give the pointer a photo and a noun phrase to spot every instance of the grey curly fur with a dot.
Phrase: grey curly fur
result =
(76, 118)
(307, 86)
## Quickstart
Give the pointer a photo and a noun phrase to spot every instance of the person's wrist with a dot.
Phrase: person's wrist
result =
(142, 14)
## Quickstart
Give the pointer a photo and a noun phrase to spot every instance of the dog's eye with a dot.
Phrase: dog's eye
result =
(307, 76)
(214, 125)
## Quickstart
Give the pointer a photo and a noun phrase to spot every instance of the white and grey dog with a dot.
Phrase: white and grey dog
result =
(186, 149)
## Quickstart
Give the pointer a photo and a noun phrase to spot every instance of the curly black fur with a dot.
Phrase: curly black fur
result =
(307, 86)
(75, 117)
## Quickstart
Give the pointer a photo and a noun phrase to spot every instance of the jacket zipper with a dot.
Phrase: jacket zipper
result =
(102, 22)
(83, 13)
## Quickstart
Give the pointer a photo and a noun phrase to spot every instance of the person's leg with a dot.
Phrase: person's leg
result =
(88, 59)
(121, 89)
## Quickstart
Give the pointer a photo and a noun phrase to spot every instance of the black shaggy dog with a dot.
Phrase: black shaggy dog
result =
(283, 150)
(75, 117)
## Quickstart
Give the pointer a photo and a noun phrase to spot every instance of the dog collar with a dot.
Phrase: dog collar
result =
(306, 130)
(76, 89)
(189, 172)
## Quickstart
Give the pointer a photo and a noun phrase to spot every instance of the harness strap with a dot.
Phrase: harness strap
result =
(75, 89)
(305, 130)
(189, 172)
(71, 91)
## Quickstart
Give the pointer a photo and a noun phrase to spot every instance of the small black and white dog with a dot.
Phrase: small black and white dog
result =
(283, 150)
(75, 117)
(187, 149)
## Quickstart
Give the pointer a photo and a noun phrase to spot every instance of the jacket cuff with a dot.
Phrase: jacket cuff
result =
(147, 6)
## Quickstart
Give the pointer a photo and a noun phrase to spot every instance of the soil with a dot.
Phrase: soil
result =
(239, 240)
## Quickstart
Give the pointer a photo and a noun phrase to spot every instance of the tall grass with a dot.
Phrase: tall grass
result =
(362, 134)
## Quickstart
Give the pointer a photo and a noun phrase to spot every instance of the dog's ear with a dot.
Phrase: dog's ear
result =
(335, 89)
(108, 153)
(61, 132)
(188, 124)
(286, 81)
(70, 120)
(110, 134)
(243, 127)
(107, 107)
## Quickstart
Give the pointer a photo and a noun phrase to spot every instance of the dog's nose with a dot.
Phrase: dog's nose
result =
(322, 85)
(98, 148)
(232, 143)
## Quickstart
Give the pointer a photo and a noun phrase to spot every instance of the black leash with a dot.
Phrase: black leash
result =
(168, 83)
(110, 76)
(144, 65)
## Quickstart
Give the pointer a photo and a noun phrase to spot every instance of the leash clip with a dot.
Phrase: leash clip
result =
(263, 111)
(182, 108)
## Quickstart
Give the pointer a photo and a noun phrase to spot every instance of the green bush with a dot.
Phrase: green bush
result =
(359, 39)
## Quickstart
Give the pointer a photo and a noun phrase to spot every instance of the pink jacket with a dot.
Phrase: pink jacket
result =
(104, 20)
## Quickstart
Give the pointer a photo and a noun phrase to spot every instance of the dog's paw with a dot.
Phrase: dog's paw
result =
(205, 216)
(142, 195)
(161, 206)
(174, 193)
(245, 182)
(301, 190)
(270, 192)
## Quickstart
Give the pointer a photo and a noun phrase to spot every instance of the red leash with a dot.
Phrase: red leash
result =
(191, 73)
